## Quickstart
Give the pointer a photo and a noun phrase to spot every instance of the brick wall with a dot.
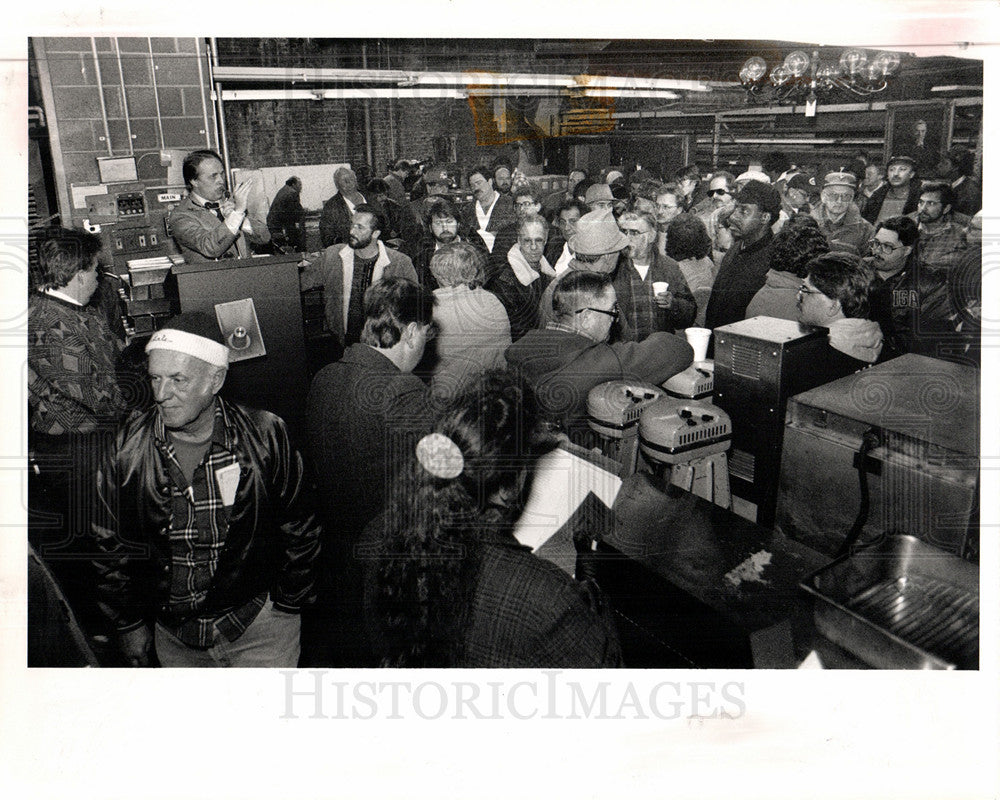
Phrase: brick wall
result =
(279, 133)
(68, 70)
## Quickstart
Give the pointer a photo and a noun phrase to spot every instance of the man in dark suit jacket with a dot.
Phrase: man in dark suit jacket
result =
(361, 412)
(207, 224)
(286, 219)
(335, 221)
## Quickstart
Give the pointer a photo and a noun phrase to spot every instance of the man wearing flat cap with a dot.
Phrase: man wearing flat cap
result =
(900, 196)
(207, 545)
(597, 245)
(838, 217)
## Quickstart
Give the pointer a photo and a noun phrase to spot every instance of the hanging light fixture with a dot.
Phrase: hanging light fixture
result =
(802, 78)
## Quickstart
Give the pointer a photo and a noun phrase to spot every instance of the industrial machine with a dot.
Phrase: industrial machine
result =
(690, 437)
(132, 222)
(613, 411)
(900, 438)
(759, 363)
(694, 383)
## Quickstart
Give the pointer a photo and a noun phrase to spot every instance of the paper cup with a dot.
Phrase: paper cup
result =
(698, 339)
(660, 287)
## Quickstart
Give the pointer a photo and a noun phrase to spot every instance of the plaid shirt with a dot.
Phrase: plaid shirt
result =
(199, 522)
(942, 248)
(640, 315)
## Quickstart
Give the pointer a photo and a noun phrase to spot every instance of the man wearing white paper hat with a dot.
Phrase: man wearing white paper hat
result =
(207, 547)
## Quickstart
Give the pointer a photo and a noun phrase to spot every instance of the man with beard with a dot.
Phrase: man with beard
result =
(839, 219)
(744, 267)
(443, 227)
(490, 210)
(502, 175)
(335, 221)
(346, 271)
(942, 231)
(524, 276)
(957, 166)
(899, 196)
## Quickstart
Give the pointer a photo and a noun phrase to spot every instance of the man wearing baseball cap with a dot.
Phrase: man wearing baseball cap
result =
(207, 546)
(839, 219)
(900, 196)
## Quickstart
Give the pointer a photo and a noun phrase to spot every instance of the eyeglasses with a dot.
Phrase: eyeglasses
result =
(838, 197)
(884, 248)
(804, 289)
(613, 313)
(712, 192)
(633, 232)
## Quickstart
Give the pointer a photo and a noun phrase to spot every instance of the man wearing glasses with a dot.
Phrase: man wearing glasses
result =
(527, 203)
(571, 355)
(643, 309)
(839, 218)
(721, 203)
(909, 303)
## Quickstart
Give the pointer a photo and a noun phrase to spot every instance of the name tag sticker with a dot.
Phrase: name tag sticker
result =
(228, 479)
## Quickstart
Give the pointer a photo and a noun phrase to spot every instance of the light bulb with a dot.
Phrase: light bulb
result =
(753, 70)
(780, 75)
(853, 60)
(887, 62)
(797, 63)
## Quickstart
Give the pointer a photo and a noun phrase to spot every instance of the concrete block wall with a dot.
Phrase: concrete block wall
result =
(133, 75)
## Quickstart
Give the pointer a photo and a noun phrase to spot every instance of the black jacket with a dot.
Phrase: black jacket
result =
(272, 538)
(742, 273)
(873, 205)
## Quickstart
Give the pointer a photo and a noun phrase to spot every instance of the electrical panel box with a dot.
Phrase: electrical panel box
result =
(760, 363)
(123, 203)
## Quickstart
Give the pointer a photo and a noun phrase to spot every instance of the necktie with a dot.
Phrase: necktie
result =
(215, 207)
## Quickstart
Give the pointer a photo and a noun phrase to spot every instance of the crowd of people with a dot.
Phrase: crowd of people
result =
(467, 338)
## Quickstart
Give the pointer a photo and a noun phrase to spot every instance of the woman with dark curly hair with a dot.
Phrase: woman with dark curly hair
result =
(451, 586)
(795, 245)
(689, 244)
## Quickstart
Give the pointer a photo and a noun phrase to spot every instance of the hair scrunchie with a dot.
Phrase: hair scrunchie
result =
(440, 456)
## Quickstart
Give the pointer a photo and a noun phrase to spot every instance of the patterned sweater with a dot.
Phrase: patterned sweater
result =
(72, 387)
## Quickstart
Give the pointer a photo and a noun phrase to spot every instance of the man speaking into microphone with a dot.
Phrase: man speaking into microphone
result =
(206, 224)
